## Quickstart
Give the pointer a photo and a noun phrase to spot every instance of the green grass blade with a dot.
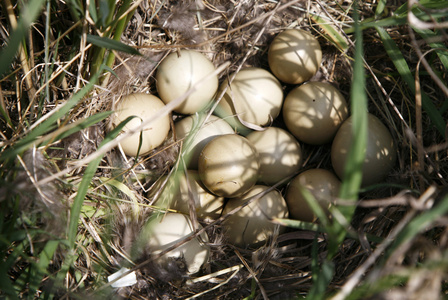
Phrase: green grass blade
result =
(47, 125)
(386, 22)
(75, 210)
(6, 285)
(104, 42)
(93, 14)
(402, 10)
(27, 16)
(76, 8)
(442, 51)
(402, 67)
(40, 268)
(351, 181)
(79, 125)
(114, 29)
(352, 178)
(331, 33)
(432, 4)
(69, 261)
(400, 16)
(418, 224)
(322, 274)
(368, 290)
(106, 11)
(6, 117)
(119, 26)
(382, 5)
(315, 207)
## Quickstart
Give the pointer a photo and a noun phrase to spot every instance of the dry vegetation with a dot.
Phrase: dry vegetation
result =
(396, 244)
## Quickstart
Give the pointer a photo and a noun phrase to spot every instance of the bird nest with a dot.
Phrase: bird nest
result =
(395, 242)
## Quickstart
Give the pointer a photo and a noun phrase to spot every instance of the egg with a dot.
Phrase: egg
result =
(280, 154)
(143, 107)
(198, 136)
(172, 229)
(251, 225)
(322, 184)
(208, 206)
(228, 165)
(380, 153)
(294, 56)
(313, 112)
(179, 72)
(255, 95)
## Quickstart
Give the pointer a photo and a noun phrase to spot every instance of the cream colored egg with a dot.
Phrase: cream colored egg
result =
(280, 154)
(294, 56)
(143, 107)
(171, 229)
(251, 224)
(207, 206)
(181, 71)
(322, 184)
(198, 136)
(228, 165)
(182, 189)
(380, 155)
(255, 95)
(313, 112)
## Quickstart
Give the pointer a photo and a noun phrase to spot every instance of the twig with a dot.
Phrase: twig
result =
(268, 14)
(22, 55)
(235, 270)
(356, 277)
(254, 276)
(54, 75)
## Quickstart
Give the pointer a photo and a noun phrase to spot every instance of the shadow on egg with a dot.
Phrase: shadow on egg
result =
(294, 56)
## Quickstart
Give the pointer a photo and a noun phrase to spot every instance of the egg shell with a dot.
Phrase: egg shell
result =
(380, 155)
(180, 188)
(179, 72)
(229, 165)
(313, 112)
(280, 154)
(200, 136)
(255, 95)
(294, 56)
(172, 229)
(322, 184)
(143, 107)
(207, 205)
(251, 225)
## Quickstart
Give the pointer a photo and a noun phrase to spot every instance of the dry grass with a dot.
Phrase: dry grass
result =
(39, 186)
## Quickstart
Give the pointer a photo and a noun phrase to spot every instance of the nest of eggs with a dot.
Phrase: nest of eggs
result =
(234, 36)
